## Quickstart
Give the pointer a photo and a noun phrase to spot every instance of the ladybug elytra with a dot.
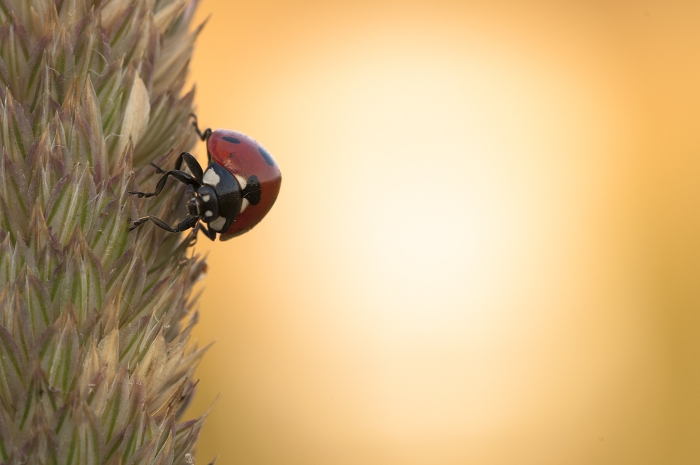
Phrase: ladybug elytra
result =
(238, 188)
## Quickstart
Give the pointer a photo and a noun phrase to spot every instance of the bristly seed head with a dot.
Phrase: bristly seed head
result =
(94, 359)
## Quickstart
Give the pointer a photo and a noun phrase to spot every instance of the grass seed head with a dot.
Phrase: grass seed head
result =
(95, 365)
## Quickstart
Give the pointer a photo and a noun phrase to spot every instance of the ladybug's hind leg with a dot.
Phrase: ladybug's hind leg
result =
(202, 135)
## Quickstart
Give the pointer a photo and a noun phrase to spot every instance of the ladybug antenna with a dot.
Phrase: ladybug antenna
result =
(202, 135)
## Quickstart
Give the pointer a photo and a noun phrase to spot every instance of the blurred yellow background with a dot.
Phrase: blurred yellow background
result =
(486, 249)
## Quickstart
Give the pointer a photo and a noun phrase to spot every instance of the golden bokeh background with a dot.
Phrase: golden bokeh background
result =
(486, 249)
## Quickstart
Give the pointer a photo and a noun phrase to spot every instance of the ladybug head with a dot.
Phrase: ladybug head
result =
(203, 203)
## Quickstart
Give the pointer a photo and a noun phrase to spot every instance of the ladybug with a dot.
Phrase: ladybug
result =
(236, 191)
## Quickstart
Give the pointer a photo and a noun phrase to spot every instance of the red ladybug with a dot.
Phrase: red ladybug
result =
(234, 194)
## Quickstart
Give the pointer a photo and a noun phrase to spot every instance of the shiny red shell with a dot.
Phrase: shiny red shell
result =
(246, 158)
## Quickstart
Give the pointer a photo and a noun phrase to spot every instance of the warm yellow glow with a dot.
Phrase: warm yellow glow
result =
(484, 250)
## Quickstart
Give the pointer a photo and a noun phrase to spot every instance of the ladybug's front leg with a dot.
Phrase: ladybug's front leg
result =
(192, 238)
(183, 225)
(210, 233)
(192, 165)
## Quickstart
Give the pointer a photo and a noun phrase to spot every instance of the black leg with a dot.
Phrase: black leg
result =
(189, 222)
(183, 225)
(159, 170)
(192, 238)
(202, 135)
(192, 164)
(178, 175)
(210, 233)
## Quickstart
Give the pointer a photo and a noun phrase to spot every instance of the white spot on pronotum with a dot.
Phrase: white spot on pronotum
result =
(208, 214)
(211, 178)
(241, 181)
(206, 197)
(218, 224)
(244, 205)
